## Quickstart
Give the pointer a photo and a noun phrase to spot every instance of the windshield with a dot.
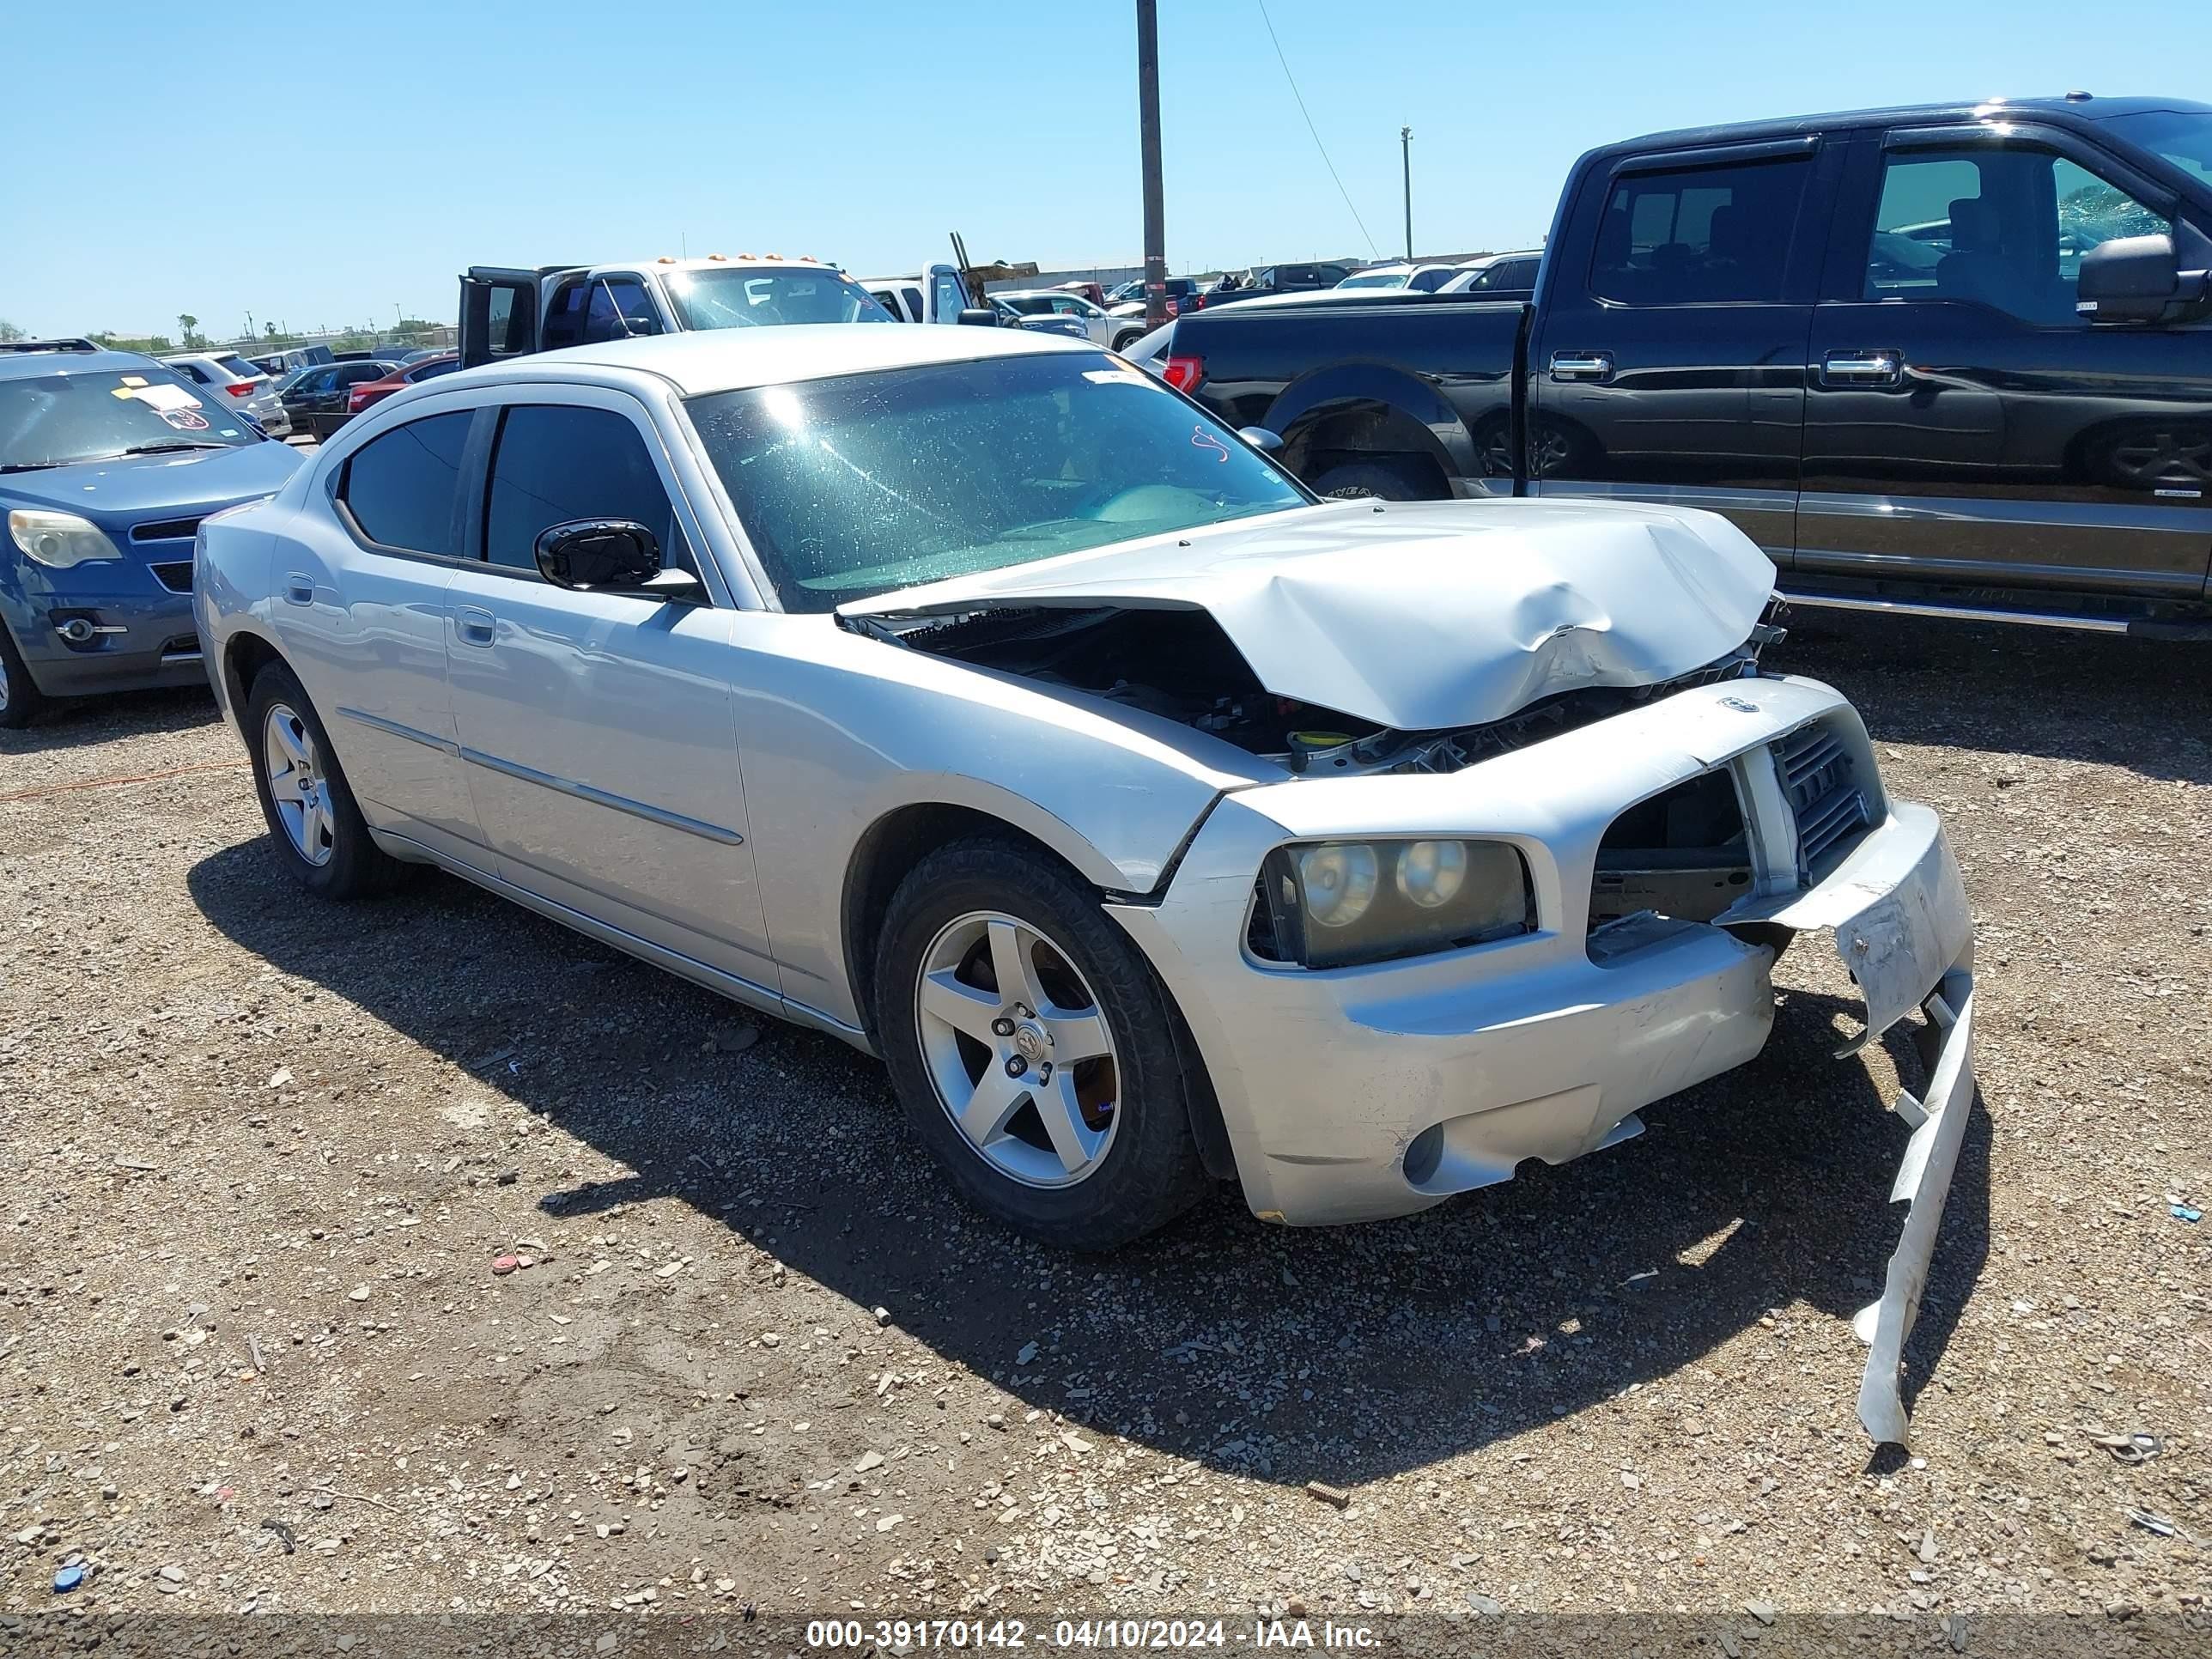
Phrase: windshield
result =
(1378, 279)
(59, 419)
(855, 486)
(738, 298)
(2183, 137)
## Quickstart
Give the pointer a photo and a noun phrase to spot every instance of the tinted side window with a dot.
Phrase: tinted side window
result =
(912, 298)
(945, 290)
(2001, 228)
(400, 488)
(1700, 236)
(554, 463)
(618, 310)
(432, 370)
(564, 317)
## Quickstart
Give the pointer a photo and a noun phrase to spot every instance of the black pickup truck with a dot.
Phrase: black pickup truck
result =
(1955, 360)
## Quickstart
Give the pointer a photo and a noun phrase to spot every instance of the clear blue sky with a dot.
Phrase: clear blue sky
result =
(319, 164)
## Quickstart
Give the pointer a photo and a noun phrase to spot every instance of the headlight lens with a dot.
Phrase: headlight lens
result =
(60, 539)
(1338, 879)
(1432, 873)
(1329, 904)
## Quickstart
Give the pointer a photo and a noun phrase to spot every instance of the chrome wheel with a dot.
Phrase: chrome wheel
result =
(297, 785)
(1018, 1048)
(3, 682)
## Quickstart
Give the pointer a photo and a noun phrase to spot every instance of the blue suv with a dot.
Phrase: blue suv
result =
(108, 462)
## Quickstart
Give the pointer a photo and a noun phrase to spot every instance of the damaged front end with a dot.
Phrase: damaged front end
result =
(1676, 829)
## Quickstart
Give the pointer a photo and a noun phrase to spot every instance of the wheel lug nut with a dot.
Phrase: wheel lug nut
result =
(1015, 1065)
(1002, 1027)
(1044, 1072)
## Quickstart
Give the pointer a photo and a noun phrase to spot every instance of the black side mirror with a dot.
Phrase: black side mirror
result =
(2136, 279)
(617, 555)
(980, 316)
(1261, 439)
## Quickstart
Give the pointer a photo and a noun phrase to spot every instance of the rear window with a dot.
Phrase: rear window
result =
(400, 487)
(237, 366)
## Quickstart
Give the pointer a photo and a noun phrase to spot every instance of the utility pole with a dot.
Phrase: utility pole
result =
(1405, 150)
(1148, 121)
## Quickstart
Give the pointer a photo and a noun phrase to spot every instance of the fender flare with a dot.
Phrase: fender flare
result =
(1346, 388)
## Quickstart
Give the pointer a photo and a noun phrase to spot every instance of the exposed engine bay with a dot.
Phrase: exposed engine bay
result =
(1179, 664)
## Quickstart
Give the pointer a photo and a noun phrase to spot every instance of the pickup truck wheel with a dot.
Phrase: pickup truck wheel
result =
(320, 836)
(1382, 480)
(1128, 338)
(1032, 1049)
(20, 700)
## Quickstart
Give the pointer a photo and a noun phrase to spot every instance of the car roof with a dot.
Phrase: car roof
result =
(735, 359)
(2070, 109)
(33, 365)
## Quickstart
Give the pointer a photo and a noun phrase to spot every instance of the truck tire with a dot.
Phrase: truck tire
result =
(1386, 478)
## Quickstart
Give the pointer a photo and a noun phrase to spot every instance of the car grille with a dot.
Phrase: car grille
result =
(1817, 777)
(175, 575)
(165, 529)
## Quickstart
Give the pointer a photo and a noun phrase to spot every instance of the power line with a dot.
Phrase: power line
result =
(1318, 145)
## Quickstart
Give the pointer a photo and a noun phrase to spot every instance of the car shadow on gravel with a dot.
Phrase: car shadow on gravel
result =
(2145, 705)
(80, 722)
(1754, 1207)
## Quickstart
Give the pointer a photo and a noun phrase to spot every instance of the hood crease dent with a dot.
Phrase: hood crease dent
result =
(1425, 615)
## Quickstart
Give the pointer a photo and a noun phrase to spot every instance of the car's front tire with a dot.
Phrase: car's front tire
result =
(20, 700)
(1032, 1049)
(320, 836)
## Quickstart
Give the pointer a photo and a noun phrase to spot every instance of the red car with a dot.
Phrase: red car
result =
(424, 369)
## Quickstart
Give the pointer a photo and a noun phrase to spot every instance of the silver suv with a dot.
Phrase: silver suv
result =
(238, 382)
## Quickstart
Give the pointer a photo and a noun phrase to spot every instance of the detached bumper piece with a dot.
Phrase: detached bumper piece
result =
(1897, 910)
(1923, 1180)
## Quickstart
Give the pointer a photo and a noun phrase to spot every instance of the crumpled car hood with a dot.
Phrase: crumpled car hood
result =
(1423, 615)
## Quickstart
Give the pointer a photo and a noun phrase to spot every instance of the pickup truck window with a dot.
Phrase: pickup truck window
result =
(564, 316)
(944, 289)
(2006, 228)
(2181, 136)
(618, 310)
(1700, 236)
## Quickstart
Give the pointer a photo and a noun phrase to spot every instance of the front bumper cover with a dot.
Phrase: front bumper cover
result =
(1336, 1086)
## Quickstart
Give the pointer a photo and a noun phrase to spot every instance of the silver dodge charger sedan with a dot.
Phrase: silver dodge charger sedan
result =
(976, 698)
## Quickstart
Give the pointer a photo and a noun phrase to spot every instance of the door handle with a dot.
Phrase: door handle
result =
(299, 589)
(1863, 368)
(1581, 365)
(476, 626)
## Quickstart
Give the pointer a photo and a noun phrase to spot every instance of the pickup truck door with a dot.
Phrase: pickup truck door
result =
(499, 313)
(1668, 358)
(1963, 425)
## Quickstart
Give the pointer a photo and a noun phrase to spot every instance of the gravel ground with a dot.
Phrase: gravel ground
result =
(263, 1157)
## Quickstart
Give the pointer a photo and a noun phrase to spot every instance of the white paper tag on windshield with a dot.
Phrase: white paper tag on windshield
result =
(1116, 377)
(162, 396)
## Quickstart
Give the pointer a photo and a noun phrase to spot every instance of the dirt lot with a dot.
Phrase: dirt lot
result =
(261, 1155)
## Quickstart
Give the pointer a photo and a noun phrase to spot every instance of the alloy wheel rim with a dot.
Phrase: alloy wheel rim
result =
(1018, 1050)
(4, 684)
(297, 785)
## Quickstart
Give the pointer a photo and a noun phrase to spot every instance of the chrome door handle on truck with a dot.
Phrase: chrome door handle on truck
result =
(1863, 368)
(1582, 365)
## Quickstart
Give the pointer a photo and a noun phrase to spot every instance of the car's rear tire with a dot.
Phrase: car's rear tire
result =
(320, 837)
(20, 700)
(1384, 478)
(1087, 1151)
(1128, 338)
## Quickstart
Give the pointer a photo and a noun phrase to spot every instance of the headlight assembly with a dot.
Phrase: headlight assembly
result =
(1330, 904)
(60, 539)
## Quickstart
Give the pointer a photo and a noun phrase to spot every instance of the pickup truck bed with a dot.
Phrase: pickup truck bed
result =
(1862, 337)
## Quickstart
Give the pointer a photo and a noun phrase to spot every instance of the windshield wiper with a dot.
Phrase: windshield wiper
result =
(28, 466)
(164, 449)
